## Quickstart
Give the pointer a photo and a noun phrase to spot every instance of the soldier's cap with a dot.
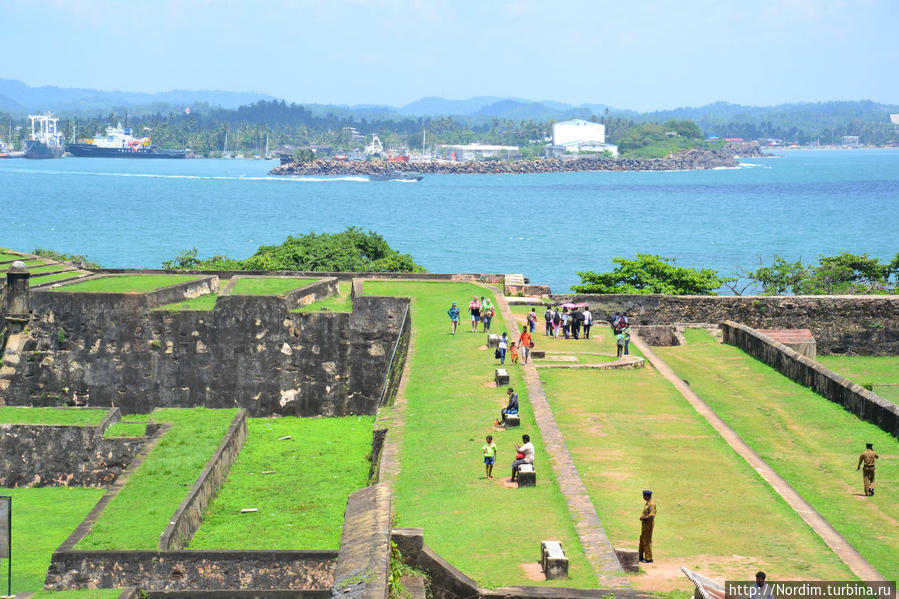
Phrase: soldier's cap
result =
(869, 445)
(647, 492)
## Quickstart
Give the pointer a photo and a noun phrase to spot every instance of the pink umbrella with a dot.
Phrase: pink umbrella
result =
(570, 305)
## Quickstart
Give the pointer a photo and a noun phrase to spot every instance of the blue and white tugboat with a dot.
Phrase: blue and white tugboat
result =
(120, 143)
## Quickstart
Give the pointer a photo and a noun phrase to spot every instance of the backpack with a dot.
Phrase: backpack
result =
(557, 318)
(548, 316)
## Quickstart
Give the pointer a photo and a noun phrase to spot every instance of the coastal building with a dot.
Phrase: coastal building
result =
(576, 136)
(895, 119)
(466, 152)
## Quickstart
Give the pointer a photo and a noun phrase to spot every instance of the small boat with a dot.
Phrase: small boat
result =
(45, 141)
(395, 176)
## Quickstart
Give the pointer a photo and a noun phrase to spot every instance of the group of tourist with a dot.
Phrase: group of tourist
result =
(622, 329)
(481, 310)
(568, 322)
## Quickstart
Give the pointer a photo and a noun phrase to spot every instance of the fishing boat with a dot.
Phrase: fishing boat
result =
(395, 176)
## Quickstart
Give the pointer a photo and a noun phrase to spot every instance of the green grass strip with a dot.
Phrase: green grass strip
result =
(811, 442)
(49, 268)
(299, 485)
(630, 430)
(4, 256)
(127, 283)
(203, 303)
(62, 416)
(126, 429)
(138, 515)
(28, 263)
(335, 303)
(487, 530)
(57, 277)
(42, 518)
(268, 285)
(865, 369)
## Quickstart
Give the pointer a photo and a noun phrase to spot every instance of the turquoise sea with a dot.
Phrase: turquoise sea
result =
(134, 213)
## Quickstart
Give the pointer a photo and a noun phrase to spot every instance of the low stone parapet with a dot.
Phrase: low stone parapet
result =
(553, 560)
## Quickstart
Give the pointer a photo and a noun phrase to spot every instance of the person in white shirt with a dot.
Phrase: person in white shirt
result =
(527, 453)
(761, 590)
(588, 321)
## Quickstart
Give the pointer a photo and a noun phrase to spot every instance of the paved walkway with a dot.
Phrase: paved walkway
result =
(598, 549)
(846, 552)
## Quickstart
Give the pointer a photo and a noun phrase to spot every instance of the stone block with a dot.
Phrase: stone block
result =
(512, 420)
(526, 476)
(492, 340)
(501, 377)
(629, 559)
(553, 560)
(538, 353)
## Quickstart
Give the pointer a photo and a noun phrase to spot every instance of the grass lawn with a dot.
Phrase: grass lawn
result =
(126, 429)
(880, 372)
(6, 256)
(85, 594)
(57, 277)
(49, 268)
(482, 527)
(42, 519)
(268, 285)
(336, 303)
(630, 430)
(140, 512)
(65, 416)
(127, 283)
(28, 263)
(302, 498)
(810, 441)
(202, 303)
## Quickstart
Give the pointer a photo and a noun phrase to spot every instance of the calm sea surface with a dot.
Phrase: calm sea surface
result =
(134, 213)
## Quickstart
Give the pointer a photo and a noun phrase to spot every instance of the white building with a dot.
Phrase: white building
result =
(576, 136)
(895, 118)
(467, 152)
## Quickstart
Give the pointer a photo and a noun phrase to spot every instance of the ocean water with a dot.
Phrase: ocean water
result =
(135, 213)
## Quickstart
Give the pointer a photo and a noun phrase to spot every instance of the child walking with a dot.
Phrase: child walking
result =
(514, 351)
(489, 455)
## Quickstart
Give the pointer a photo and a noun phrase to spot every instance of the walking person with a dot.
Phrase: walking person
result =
(576, 317)
(647, 523)
(454, 316)
(487, 312)
(502, 347)
(548, 317)
(588, 321)
(532, 319)
(474, 307)
(525, 343)
(557, 323)
(566, 322)
(619, 342)
(626, 331)
(867, 460)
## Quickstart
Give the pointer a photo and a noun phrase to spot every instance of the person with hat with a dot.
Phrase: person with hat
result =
(866, 459)
(454, 316)
(647, 520)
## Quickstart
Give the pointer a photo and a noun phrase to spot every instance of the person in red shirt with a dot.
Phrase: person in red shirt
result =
(524, 342)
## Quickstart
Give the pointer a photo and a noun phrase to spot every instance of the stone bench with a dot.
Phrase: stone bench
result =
(502, 377)
(512, 420)
(526, 476)
(628, 558)
(492, 340)
(553, 560)
(538, 353)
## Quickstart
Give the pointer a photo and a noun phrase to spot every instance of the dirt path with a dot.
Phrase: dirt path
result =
(839, 545)
(598, 549)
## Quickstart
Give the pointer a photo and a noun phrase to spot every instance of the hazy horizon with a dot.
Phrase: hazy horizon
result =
(646, 56)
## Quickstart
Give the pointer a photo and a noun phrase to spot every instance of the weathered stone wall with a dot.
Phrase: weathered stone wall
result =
(866, 325)
(73, 456)
(195, 570)
(189, 515)
(491, 278)
(853, 397)
(250, 351)
(364, 559)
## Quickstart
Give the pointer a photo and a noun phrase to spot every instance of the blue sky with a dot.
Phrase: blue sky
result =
(637, 54)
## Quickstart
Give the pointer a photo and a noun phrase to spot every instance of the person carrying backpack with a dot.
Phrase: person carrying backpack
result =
(548, 317)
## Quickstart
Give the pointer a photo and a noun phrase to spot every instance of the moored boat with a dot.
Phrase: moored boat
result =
(45, 141)
(120, 143)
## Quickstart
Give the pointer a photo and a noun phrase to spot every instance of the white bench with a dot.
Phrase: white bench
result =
(512, 420)
(492, 340)
(501, 377)
(526, 476)
(553, 560)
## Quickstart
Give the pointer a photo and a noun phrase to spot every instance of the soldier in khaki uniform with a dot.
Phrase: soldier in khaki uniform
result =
(647, 519)
(866, 459)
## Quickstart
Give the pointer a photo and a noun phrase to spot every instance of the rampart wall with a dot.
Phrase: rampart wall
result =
(866, 325)
(250, 352)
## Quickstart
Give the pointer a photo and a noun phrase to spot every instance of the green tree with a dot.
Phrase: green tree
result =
(649, 273)
(843, 274)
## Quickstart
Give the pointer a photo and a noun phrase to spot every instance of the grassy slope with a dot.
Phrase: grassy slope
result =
(126, 429)
(811, 442)
(56, 277)
(629, 430)
(140, 512)
(268, 285)
(483, 528)
(301, 504)
(64, 416)
(126, 283)
(42, 519)
(336, 303)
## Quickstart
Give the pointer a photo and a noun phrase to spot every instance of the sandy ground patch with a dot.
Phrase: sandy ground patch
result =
(533, 571)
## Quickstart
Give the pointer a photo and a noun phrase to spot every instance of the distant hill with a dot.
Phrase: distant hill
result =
(19, 97)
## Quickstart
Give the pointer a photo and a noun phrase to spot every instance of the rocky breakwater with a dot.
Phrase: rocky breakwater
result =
(685, 160)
